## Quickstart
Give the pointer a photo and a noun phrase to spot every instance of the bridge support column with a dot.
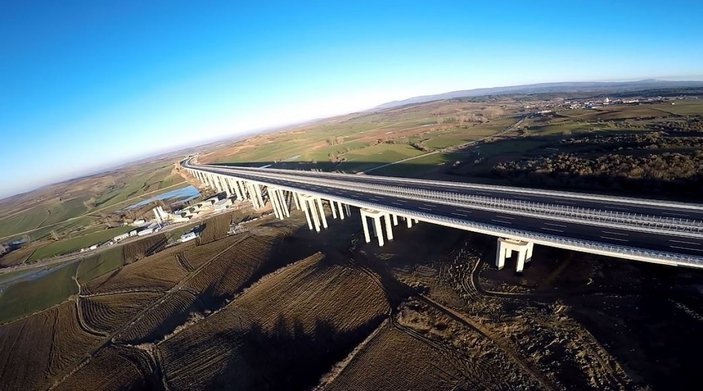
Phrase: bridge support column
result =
(341, 210)
(243, 189)
(235, 185)
(213, 181)
(333, 209)
(296, 200)
(389, 227)
(283, 202)
(307, 214)
(313, 206)
(322, 212)
(365, 224)
(395, 220)
(505, 247)
(409, 221)
(223, 185)
(259, 196)
(377, 228)
(274, 203)
(253, 196)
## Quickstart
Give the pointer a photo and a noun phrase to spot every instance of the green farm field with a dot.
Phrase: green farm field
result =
(26, 297)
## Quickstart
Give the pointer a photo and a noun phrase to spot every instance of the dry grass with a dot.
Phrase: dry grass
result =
(109, 312)
(114, 368)
(157, 272)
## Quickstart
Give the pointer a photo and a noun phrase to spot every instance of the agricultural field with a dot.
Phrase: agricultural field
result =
(70, 209)
(43, 290)
(72, 245)
(274, 322)
(357, 142)
(35, 350)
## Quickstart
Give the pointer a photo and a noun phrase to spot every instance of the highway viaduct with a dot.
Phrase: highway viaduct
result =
(668, 233)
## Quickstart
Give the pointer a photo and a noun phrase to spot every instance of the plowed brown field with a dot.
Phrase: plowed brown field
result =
(281, 333)
(36, 349)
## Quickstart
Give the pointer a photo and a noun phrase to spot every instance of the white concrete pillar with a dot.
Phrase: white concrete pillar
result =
(257, 188)
(333, 209)
(389, 228)
(347, 209)
(374, 230)
(274, 203)
(313, 212)
(296, 200)
(500, 254)
(253, 196)
(379, 231)
(520, 261)
(322, 212)
(307, 214)
(283, 202)
(409, 221)
(395, 220)
(341, 210)
(223, 185)
(237, 191)
(528, 253)
(218, 185)
(505, 248)
(366, 228)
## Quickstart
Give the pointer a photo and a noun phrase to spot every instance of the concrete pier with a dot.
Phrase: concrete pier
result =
(376, 216)
(312, 206)
(505, 247)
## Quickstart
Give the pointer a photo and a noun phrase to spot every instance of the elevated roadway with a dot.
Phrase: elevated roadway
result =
(637, 229)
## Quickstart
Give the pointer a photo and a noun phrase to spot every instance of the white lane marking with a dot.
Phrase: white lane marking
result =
(615, 233)
(684, 242)
(501, 221)
(420, 207)
(551, 229)
(506, 217)
(460, 214)
(555, 225)
(396, 203)
(687, 248)
(403, 201)
(674, 214)
(611, 238)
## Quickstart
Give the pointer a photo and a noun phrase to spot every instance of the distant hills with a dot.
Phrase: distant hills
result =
(542, 88)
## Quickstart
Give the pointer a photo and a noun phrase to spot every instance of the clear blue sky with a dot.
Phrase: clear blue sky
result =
(87, 84)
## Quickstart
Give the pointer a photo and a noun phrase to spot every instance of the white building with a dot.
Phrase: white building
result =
(121, 237)
(146, 231)
(160, 214)
(187, 236)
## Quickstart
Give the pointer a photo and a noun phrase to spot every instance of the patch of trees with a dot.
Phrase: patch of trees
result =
(666, 173)
(650, 140)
